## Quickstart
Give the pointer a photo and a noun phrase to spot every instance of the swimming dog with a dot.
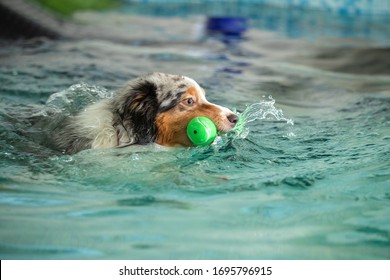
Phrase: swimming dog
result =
(154, 108)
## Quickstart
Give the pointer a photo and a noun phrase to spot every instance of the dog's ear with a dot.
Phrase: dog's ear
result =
(137, 108)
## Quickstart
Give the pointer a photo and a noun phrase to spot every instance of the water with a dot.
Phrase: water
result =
(305, 176)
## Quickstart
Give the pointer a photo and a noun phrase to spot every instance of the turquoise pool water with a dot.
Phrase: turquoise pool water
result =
(309, 179)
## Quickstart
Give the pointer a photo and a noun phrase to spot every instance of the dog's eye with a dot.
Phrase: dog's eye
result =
(189, 101)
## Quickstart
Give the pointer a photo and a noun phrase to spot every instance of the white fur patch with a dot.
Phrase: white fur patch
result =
(95, 122)
(167, 101)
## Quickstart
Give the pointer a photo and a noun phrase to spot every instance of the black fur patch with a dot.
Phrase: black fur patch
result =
(138, 113)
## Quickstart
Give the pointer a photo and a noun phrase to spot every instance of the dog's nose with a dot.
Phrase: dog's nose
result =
(233, 118)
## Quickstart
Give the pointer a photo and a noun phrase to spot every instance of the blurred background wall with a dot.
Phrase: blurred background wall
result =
(350, 7)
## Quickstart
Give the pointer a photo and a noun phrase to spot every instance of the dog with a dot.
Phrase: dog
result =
(154, 108)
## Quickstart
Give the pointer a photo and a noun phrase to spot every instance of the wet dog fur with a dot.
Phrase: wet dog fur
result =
(154, 108)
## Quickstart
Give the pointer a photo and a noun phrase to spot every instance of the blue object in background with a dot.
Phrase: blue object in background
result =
(229, 26)
(229, 29)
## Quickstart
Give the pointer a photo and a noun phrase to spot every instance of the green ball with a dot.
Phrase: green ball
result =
(201, 131)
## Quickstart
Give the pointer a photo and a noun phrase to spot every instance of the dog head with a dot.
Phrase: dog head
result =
(158, 107)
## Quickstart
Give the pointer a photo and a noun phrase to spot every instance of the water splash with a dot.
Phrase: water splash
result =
(265, 109)
(74, 99)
